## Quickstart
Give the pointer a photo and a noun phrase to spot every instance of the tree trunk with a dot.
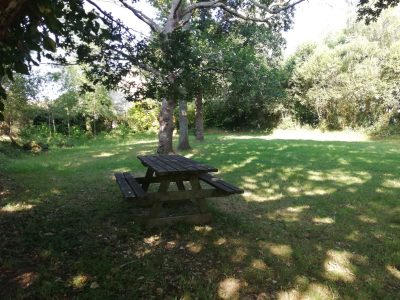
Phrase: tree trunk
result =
(49, 125)
(198, 118)
(94, 119)
(69, 124)
(166, 121)
(183, 126)
(88, 124)
(10, 133)
(54, 124)
(94, 126)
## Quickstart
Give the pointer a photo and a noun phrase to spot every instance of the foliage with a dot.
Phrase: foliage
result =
(350, 80)
(248, 94)
(370, 10)
(35, 29)
(17, 111)
(142, 116)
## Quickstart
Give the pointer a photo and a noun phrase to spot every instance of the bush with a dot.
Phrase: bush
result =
(143, 116)
(122, 130)
(385, 127)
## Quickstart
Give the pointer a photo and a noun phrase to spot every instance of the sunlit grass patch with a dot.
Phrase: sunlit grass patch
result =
(16, 207)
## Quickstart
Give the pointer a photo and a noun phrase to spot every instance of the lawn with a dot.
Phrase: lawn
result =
(318, 220)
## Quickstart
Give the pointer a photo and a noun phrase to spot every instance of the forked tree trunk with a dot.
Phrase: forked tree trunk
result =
(166, 121)
(198, 118)
(183, 126)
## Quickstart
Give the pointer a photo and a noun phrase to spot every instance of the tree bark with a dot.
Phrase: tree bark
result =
(166, 121)
(198, 118)
(183, 126)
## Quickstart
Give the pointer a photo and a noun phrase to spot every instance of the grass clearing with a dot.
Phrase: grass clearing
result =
(318, 220)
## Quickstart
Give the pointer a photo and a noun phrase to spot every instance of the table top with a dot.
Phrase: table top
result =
(174, 164)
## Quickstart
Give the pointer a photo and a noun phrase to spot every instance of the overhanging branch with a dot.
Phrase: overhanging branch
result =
(276, 8)
(153, 25)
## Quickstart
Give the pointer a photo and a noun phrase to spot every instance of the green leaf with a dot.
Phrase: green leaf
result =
(49, 44)
(1, 116)
(21, 68)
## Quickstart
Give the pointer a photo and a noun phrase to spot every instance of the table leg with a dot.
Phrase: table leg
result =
(157, 204)
(149, 174)
(180, 185)
(201, 202)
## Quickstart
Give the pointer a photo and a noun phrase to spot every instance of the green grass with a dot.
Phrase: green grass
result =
(318, 220)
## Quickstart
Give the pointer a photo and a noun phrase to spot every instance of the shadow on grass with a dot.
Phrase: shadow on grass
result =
(318, 220)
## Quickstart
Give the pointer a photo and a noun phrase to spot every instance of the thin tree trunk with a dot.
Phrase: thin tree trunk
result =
(166, 121)
(198, 118)
(49, 125)
(94, 119)
(88, 124)
(10, 133)
(54, 124)
(69, 125)
(183, 126)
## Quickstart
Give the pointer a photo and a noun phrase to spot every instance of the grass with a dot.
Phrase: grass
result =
(318, 220)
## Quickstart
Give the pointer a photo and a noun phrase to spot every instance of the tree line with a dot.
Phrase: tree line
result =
(225, 54)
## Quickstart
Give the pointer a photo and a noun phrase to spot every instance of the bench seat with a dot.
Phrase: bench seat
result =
(129, 187)
(220, 184)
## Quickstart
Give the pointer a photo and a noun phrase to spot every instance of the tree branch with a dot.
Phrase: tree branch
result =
(110, 17)
(203, 4)
(241, 16)
(153, 25)
(277, 8)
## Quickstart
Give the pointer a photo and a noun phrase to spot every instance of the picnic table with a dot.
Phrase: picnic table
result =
(165, 170)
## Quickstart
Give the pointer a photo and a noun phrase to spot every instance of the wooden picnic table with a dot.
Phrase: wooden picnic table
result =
(174, 169)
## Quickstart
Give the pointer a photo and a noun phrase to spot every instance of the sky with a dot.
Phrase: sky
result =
(315, 19)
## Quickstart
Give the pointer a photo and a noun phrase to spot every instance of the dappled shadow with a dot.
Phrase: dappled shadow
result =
(318, 220)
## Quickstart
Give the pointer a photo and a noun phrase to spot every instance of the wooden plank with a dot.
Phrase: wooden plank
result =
(196, 164)
(191, 219)
(146, 161)
(231, 186)
(174, 159)
(124, 186)
(171, 161)
(174, 164)
(158, 179)
(139, 192)
(159, 166)
(183, 195)
(220, 184)
(205, 166)
(167, 161)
